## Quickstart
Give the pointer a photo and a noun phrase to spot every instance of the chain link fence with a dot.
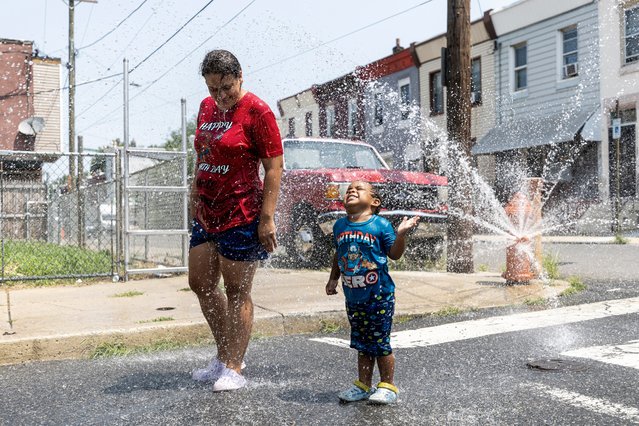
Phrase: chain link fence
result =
(97, 225)
(52, 226)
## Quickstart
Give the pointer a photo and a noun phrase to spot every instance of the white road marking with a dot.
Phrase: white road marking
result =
(596, 405)
(503, 324)
(626, 355)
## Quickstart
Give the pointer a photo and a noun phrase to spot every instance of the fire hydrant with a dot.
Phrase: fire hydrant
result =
(518, 260)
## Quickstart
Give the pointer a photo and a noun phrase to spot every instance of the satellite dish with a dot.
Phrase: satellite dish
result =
(31, 126)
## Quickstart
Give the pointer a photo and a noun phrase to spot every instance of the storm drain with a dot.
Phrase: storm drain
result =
(165, 308)
(556, 364)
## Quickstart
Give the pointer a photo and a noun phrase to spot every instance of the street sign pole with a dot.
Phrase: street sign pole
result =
(616, 135)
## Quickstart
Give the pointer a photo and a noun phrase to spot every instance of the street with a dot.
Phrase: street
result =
(573, 360)
(294, 380)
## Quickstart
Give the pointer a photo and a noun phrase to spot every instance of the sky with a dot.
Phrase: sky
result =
(284, 46)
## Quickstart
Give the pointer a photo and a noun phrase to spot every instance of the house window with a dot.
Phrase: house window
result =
(352, 117)
(631, 34)
(308, 122)
(291, 127)
(520, 56)
(569, 61)
(436, 93)
(475, 81)
(404, 98)
(330, 121)
(378, 115)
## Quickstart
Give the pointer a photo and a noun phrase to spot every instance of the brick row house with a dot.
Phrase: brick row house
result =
(30, 119)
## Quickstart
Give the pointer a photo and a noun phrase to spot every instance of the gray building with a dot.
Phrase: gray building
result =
(547, 115)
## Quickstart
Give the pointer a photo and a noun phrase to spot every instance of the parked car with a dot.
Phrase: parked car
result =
(103, 221)
(316, 175)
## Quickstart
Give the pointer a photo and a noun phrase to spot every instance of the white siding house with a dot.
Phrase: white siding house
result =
(547, 97)
(433, 95)
(299, 115)
(46, 82)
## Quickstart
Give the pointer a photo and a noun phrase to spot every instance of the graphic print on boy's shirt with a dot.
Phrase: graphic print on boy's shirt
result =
(361, 257)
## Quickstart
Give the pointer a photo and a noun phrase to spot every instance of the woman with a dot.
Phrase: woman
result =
(233, 211)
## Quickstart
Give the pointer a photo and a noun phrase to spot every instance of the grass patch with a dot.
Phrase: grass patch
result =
(448, 311)
(108, 349)
(185, 289)
(576, 285)
(159, 319)
(113, 349)
(329, 327)
(550, 264)
(131, 293)
(40, 259)
(620, 239)
(535, 301)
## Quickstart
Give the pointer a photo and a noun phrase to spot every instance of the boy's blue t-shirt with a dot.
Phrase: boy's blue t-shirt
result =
(361, 255)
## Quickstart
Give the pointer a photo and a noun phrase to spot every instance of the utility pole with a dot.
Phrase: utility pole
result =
(71, 69)
(460, 229)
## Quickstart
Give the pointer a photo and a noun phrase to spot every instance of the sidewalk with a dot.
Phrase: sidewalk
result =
(71, 322)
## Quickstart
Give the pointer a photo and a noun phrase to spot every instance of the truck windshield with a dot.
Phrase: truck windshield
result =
(329, 155)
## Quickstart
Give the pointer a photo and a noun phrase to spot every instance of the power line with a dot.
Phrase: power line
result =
(194, 50)
(115, 28)
(99, 99)
(154, 81)
(338, 38)
(174, 34)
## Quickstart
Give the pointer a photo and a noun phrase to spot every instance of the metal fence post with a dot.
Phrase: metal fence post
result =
(185, 183)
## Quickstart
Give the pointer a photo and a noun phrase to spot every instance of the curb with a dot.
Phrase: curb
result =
(83, 346)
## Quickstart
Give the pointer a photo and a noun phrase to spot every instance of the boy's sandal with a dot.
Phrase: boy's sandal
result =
(385, 394)
(358, 392)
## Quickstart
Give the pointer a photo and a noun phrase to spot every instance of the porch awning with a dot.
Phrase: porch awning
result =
(538, 131)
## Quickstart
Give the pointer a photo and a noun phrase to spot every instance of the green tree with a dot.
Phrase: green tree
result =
(98, 163)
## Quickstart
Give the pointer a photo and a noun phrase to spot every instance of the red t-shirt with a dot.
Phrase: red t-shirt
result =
(229, 145)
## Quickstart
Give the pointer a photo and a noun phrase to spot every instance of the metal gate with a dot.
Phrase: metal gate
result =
(154, 212)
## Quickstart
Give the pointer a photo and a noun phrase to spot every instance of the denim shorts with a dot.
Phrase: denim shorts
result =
(371, 324)
(239, 243)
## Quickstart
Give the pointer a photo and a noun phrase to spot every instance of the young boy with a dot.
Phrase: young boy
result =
(364, 240)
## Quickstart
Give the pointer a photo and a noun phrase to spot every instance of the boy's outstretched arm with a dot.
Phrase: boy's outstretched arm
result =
(399, 245)
(333, 279)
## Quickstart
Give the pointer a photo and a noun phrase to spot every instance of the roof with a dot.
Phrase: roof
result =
(537, 131)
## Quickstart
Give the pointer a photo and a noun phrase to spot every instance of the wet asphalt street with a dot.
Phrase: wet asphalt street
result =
(467, 369)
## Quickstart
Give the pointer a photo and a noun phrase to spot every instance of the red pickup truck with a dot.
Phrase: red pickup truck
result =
(316, 175)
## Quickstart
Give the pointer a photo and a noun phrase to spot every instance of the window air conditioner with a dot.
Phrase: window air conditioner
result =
(571, 70)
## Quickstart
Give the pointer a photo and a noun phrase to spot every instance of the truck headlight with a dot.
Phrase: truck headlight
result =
(442, 194)
(336, 190)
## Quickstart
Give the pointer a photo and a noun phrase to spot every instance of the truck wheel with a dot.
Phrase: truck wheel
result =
(306, 246)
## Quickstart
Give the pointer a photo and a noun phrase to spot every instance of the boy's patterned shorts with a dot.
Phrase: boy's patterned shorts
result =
(371, 324)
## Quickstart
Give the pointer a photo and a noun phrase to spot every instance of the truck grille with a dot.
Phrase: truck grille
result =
(402, 196)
